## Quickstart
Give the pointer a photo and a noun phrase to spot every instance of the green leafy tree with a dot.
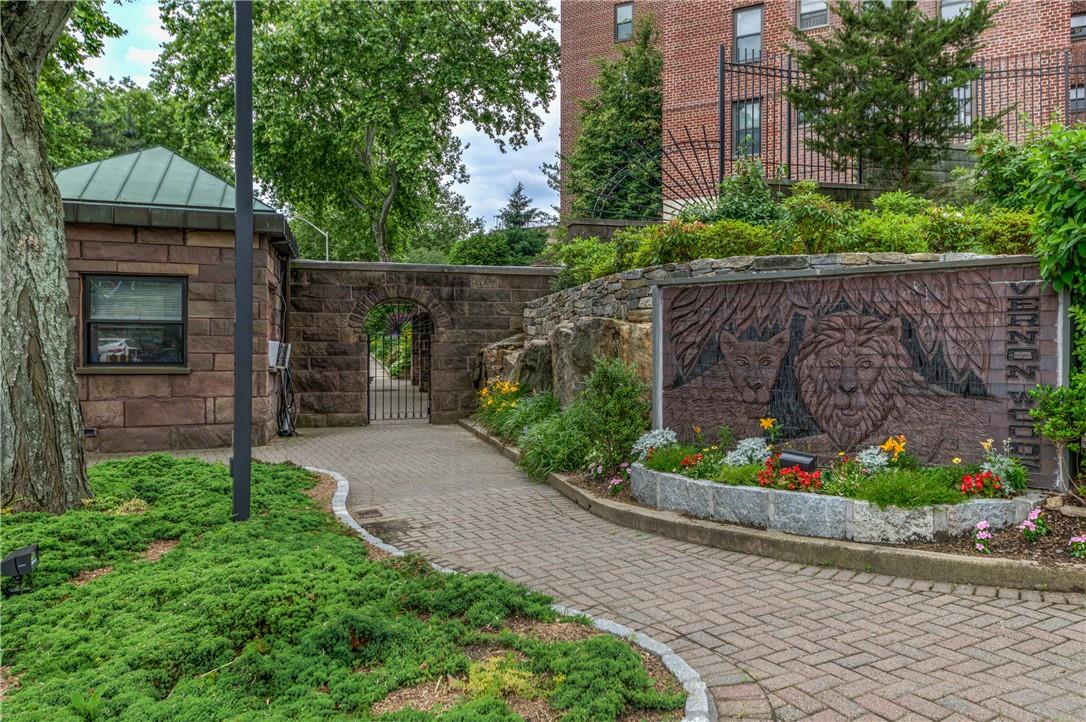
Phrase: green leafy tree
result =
(614, 170)
(356, 102)
(881, 84)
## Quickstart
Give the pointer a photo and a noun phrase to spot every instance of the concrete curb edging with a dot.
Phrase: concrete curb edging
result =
(821, 515)
(698, 707)
(815, 551)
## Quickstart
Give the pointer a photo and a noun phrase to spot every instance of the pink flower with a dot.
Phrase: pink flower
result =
(980, 547)
(982, 524)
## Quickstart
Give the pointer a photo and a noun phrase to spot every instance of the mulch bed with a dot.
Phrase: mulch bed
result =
(1049, 549)
(1008, 543)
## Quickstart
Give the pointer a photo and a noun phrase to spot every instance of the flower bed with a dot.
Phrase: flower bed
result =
(821, 515)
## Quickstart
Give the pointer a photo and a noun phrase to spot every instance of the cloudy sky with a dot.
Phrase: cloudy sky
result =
(493, 174)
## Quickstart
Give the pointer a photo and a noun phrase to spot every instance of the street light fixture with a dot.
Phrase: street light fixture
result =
(318, 230)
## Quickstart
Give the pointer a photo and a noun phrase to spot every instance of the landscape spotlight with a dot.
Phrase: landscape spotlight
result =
(806, 462)
(18, 564)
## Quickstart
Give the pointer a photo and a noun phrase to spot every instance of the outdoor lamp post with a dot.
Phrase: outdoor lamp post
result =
(318, 230)
(18, 564)
(806, 462)
(241, 460)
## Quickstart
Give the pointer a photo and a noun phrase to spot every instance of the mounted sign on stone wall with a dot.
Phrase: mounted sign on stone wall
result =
(944, 353)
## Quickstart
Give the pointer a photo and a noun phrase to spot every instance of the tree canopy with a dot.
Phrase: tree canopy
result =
(356, 103)
(888, 84)
(614, 169)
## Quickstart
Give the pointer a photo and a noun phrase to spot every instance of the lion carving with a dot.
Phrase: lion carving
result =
(858, 382)
(734, 391)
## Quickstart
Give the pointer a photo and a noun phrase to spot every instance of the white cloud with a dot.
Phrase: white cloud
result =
(143, 56)
(153, 29)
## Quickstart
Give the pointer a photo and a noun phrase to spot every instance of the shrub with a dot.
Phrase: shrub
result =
(557, 443)
(900, 202)
(811, 222)
(582, 260)
(616, 410)
(1005, 232)
(1060, 416)
(528, 410)
(498, 398)
(886, 231)
(1057, 186)
(1001, 173)
(744, 196)
(949, 229)
(482, 249)
(679, 242)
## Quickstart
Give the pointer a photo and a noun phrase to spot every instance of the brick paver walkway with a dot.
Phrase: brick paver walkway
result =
(773, 640)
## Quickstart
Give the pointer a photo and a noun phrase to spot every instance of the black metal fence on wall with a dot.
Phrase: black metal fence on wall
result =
(755, 118)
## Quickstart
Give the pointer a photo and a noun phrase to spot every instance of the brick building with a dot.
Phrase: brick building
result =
(1043, 34)
(151, 287)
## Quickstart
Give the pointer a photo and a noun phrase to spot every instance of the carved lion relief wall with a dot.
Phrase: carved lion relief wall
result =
(945, 357)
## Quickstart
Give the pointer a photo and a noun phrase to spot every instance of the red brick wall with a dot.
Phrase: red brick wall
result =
(693, 30)
(139, 409)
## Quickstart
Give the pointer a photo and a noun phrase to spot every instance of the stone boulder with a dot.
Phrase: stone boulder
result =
(497, 360)
(574, 345)
(533, 368)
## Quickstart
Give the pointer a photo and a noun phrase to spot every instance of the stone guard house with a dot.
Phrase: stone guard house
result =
(151, 288)
(150, 280)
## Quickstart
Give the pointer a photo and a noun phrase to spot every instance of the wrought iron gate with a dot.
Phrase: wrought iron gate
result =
(399, 337)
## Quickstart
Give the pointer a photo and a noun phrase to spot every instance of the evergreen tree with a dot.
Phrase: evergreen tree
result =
(614, 170)
(887, 84)
(518, 212)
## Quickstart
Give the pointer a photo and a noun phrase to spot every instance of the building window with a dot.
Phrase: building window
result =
(1076, 99)
(950, 9)
(813, 14)
(748, 34)
(1078, 26)
(134, 320)
(746, 128)
(963, 96)
(623, 22)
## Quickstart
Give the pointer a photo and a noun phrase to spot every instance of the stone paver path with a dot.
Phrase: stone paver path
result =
(773, 640)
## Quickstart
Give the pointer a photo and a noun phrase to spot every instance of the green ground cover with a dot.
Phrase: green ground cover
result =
(283, 617)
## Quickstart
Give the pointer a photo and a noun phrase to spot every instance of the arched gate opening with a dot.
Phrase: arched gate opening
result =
(399, 336)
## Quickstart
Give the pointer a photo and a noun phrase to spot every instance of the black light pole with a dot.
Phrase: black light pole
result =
(241, 461)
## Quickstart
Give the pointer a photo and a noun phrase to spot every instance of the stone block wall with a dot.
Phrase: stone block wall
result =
(471, 306)
(157, 408)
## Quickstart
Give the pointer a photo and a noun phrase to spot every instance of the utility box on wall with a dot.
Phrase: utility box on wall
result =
(944, 353)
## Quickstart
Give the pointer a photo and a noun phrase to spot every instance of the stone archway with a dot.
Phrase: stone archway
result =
(399, 336)
(469, 307)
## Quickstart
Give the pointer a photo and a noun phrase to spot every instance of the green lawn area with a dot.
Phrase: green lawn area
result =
(283, 617)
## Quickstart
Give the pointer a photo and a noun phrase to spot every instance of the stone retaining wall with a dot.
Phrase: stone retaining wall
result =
(627, 296)
(831, 517)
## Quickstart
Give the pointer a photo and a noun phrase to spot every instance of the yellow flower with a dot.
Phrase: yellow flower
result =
(767, 423)
(697, 429)
(986, 445)
(956, 460)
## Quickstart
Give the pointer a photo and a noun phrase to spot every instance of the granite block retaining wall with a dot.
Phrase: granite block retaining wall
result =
(627, 296)
(831, 517)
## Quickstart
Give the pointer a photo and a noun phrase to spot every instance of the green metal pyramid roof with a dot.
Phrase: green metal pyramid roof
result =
(151, 177)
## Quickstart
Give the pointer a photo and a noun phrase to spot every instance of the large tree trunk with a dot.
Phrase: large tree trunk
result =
(41, 449)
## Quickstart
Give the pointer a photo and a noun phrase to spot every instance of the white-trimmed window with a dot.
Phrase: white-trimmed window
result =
(747, 127)
(950, 9)
(1078, 26)
(963, 96)
(813, 14)
(748, 34)
(623, 22)
(134, 320)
